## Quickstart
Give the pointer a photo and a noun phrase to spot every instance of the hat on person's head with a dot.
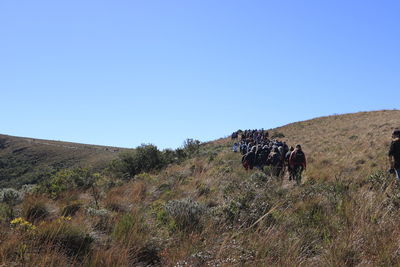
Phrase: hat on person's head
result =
(298, 146)
(396, 133)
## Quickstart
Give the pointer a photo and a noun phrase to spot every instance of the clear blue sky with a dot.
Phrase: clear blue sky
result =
(124, 73)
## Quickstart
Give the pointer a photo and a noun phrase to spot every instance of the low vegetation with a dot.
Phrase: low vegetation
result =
(197, 206)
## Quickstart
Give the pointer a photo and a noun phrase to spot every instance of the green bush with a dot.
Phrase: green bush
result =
(67, 179)
(144, 158)
(191, 147)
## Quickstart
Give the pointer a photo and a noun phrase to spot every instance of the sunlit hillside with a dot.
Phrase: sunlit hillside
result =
(201, 208)
(29, 160)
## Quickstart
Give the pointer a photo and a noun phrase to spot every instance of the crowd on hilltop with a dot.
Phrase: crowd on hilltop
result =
(258, 151)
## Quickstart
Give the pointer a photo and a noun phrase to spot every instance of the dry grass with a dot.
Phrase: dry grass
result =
(344, 214)
(352, 144)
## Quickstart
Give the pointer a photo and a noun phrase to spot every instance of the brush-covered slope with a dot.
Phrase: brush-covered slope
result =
(28, 160)
(208, 211)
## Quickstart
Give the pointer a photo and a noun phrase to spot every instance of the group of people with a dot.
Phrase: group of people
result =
(259, 151)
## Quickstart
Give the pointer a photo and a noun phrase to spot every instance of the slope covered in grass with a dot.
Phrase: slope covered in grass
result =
(28, 160)
(349, 144)
(353, 144)
(208, 211)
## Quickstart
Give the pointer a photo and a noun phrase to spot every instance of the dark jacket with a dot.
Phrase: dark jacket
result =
(287, 156)
(249, 157)
(394, 151)
(297, 159)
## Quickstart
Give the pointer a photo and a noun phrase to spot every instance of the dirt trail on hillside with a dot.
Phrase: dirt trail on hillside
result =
(285, 181)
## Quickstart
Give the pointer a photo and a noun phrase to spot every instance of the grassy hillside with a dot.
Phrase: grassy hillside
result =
(208, 211)
(350, 144)
(28, 160)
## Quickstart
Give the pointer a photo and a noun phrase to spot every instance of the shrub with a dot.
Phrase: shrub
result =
(10, 196)
(180, 154)
(170, 156)
(67, 179)
(191, 147)
(144, 158)
(187, 214)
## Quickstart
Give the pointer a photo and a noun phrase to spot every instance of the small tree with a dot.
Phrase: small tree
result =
(191, 147)
(144, 158)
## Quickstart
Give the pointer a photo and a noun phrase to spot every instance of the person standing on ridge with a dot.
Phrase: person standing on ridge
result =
(297, 162)
(394, 154)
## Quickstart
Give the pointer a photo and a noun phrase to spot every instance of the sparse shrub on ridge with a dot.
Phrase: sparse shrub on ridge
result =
(191, 147)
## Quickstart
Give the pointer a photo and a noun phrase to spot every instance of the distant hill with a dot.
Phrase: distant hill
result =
(28, 160)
